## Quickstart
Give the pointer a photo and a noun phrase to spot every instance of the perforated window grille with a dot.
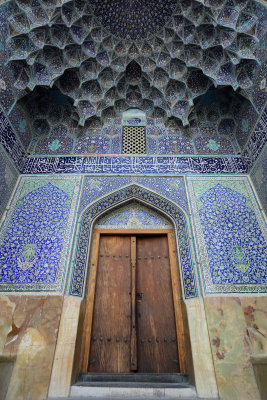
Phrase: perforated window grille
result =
(134, 140)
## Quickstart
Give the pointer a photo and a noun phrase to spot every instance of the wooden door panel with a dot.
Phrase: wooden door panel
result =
(111, 332)
(156, 330)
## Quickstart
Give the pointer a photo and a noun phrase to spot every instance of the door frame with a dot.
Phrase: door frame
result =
(176, 292)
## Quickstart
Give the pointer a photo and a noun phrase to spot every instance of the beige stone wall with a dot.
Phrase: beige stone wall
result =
(238, 330)
(28, 333)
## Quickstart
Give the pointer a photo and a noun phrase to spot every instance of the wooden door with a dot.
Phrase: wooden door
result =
(133, 326)
(156, 330)
(110, 339)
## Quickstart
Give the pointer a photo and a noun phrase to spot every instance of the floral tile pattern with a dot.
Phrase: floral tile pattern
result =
(133, 216)
(36, 233)
(54, 145)
(92, 144)
(213, 145)
(231, 235)
(96, 187)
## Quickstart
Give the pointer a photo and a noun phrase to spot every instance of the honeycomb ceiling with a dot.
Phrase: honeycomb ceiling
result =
(109, 56)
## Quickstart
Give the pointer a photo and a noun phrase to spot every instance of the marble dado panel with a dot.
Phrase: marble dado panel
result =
(28, 334)
(259, 178)
(231, 235)
(237, 330)
(8, 179)
(36, 234)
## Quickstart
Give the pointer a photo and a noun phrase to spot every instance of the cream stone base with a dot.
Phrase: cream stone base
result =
(205, 379)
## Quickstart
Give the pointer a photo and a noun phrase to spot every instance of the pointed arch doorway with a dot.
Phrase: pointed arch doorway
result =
(134, 318)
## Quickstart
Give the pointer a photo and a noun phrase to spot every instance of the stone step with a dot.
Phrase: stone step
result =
(139, 378)
(153, 385)
(127, 398)
(123, 390)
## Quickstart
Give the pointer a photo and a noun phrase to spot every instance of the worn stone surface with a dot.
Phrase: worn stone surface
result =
(202, 359)
(237, 329)
(64, 354)
(28, 332)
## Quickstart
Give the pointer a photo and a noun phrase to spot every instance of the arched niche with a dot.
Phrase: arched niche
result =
(149, 199)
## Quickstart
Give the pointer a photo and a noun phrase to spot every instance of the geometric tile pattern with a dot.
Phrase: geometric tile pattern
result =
(116, 199)
(134, 140)
(258, 175)
(162, 55)
(133, 216)
(256, 141)
(35, 236)
(231, 235)
(8, 178)
(96, 187)
(10, 143)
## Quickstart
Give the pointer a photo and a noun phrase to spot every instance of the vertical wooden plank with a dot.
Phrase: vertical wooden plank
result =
(111, 331)
(156, 330)
(177, 299)
(133, 298)
(90, 304)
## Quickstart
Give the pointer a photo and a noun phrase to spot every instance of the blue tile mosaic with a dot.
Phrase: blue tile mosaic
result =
(138, 20)
(175, 145)
(111, 130)
(36, 233)
(33, 241)
(91, 76)
(258, 175)
(116, 199)
(10, 143)
(54, 145)
(133, 216)
(21, 125)
(8, 179)
(156, 130)
(134, 165)
(246, 123)
(93, 144)
(260, 87)
(231, 235)
(171, 188)
(256, 141)
(151, 146)
(213, 145)
(116, 145)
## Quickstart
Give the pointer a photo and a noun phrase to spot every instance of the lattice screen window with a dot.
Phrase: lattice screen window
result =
(134, 140)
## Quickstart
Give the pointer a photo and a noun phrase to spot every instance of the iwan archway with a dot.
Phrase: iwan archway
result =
(81, 295)
(152, 200)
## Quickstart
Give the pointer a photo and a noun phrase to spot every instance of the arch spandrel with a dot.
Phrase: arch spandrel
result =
(121, 198)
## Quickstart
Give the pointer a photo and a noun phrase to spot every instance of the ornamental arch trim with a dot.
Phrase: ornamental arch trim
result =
(116, 200)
